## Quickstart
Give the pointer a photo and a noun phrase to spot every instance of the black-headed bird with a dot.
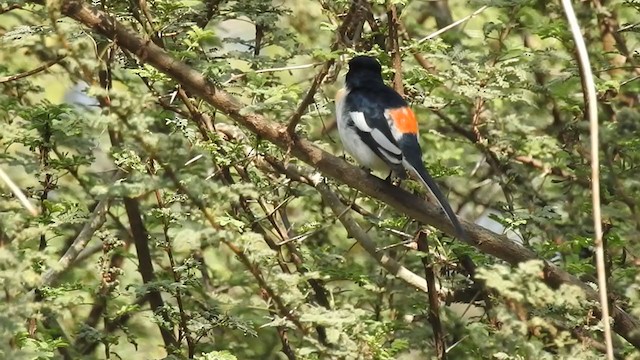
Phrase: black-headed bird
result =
(380, 131)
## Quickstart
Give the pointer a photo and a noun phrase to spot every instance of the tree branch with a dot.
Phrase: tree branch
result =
(17, 192)
(145, 264)
(363, 238)
(394, 47)
(434, 303)
(25, 74)
(95, 221)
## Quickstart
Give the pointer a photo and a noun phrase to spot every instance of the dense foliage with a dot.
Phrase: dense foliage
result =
(164, 229)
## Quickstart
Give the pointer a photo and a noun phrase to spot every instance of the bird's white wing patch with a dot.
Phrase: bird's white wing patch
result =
(390, 157)
(384, 142)
(394, 131)
(360, 121)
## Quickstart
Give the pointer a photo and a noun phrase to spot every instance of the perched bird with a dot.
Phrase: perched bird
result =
(379, 130)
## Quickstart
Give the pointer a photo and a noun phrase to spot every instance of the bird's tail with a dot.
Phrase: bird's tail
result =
(421, 173)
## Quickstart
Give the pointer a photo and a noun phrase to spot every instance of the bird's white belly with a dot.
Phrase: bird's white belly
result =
(355, 147)
(361, 152)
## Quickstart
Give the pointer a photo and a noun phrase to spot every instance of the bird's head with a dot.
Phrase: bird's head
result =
(363, 70)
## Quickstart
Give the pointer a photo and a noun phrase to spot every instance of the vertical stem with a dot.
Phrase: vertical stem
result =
(45, 147)
(394, 47)
(434, 303)
(183, 329)
(145, 265)
(589, 88)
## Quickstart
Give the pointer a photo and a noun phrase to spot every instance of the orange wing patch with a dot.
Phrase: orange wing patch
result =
(404, 120)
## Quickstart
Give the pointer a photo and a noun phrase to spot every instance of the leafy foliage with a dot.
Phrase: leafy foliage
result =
(210, 251)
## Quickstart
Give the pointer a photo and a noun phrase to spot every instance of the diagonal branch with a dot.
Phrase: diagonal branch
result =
(308, 98)
(17, 192)
(331, 166)
(96, 220)
(25, 74)
(352, 17)
(331, 199)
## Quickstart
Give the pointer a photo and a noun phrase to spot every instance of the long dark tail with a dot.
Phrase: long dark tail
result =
(420, 172)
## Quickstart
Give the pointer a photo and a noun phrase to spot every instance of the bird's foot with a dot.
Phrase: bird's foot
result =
(394, 178)
(365, 169)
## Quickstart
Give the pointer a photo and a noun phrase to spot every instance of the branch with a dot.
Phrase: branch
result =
(394, 47)
(95, 221)
(404, 202)
(308, 98)
(145, 267)
(452, 25)
(25, 74)
(434, 303)
(361, 236)
(589, 87)
(9, 8)
(346, 25)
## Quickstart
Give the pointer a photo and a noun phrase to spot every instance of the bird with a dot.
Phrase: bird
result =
(380, 131)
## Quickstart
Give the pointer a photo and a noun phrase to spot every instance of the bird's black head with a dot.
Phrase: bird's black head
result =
(363, 70)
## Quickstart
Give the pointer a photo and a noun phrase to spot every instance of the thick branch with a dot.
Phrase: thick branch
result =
(477, 236)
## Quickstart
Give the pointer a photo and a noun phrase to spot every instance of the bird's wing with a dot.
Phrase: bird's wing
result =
(369, 120)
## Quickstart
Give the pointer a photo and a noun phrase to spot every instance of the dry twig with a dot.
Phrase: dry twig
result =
(18, 193)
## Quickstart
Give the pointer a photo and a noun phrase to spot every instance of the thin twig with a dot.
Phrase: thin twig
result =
(277, 69)
(628, 27)
(452, 25)
(288, 68)
(308, 98)
(32, 71)
(434, 303)
(592, 113)
(361, 236)
(18, 193)
(95, 221)
(10, 8)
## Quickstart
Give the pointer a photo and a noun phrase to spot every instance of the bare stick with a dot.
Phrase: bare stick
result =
(452, 25)
(308, 98)
(18, 193)
(592, 113)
